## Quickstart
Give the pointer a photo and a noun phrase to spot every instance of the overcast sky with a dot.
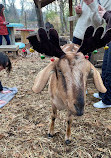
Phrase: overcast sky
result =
(18, 3)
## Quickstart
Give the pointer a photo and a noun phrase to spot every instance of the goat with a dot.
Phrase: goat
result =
(67, 75)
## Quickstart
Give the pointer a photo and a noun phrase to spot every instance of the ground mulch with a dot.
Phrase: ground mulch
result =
(24, 121)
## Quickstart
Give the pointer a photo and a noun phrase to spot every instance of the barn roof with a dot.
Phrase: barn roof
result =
(44, 2)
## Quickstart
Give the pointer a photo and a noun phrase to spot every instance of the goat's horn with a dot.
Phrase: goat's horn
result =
(50, 47)
(34, 42)
(98, 33)
(45, 46)
(43, 35)
(92, 42)
(106, 38)
(54, 38)
(89, 32)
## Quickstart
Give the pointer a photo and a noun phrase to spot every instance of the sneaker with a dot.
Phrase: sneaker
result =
(96, 95)
(100, 104)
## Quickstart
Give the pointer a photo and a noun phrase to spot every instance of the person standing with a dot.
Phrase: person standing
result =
(88, 15)
(106, 67)
(3, 28)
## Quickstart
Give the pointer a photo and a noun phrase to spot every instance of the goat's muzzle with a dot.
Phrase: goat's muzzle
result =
(79, 105)
(79, 109)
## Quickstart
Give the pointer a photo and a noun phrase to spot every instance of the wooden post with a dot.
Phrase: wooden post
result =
(25, 20)
(39, 13)
(71, 22)
(24, 35)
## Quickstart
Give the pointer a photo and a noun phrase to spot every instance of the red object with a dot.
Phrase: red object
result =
(24, 30)
(52, 59)
(86, 57)
(3, 28)
(23, 50)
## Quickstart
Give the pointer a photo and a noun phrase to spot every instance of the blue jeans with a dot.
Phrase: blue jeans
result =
(1, 87)
(6, 38)
(106, 76)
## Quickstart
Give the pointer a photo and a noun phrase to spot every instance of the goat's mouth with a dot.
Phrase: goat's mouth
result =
(79, 110)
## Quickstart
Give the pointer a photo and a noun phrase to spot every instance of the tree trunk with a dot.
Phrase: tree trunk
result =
(65, 23)
(61, 16)
(71, 22)
(39, 13)
(4, 3)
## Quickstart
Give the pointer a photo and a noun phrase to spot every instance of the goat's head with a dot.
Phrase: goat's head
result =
(70, 71)
(68, 81)
(71, 78)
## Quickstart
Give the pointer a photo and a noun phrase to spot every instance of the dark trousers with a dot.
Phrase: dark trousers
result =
(106, 76)
(1, 87)
(6, 38)
(77, 41)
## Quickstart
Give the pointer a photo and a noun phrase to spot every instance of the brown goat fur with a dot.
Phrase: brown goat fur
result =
(70, 47)
(67, 78)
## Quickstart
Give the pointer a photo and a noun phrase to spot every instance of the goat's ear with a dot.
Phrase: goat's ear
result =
(98, 80)
(42, 78)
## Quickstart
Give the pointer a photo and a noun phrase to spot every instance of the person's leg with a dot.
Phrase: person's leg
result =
(1, 87)
(104, 69)
(104, 66)
(7, 39)
(0, 39)
(107, 97)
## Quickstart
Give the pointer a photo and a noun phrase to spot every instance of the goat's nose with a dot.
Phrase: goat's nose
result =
(79, 110)
(79, 113)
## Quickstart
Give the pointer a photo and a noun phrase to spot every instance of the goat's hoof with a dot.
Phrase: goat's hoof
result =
(50, 135)
(67, 141)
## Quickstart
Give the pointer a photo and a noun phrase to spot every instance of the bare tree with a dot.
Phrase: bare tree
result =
(12, 14)
(39, 13)
(22, 3)
(62, 4)
(4, 3)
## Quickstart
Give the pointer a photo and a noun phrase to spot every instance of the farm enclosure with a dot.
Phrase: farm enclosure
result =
(24, 121)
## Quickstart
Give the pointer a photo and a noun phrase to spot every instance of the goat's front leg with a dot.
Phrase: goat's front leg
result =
(68, 129)
(53, 117)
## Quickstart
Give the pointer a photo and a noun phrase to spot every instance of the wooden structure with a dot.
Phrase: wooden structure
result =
(11, 28)
(13, 48)
(43, 3)
(24, 34)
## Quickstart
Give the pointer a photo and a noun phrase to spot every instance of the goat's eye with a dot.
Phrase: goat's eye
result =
(76, 57)
(59, 71)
